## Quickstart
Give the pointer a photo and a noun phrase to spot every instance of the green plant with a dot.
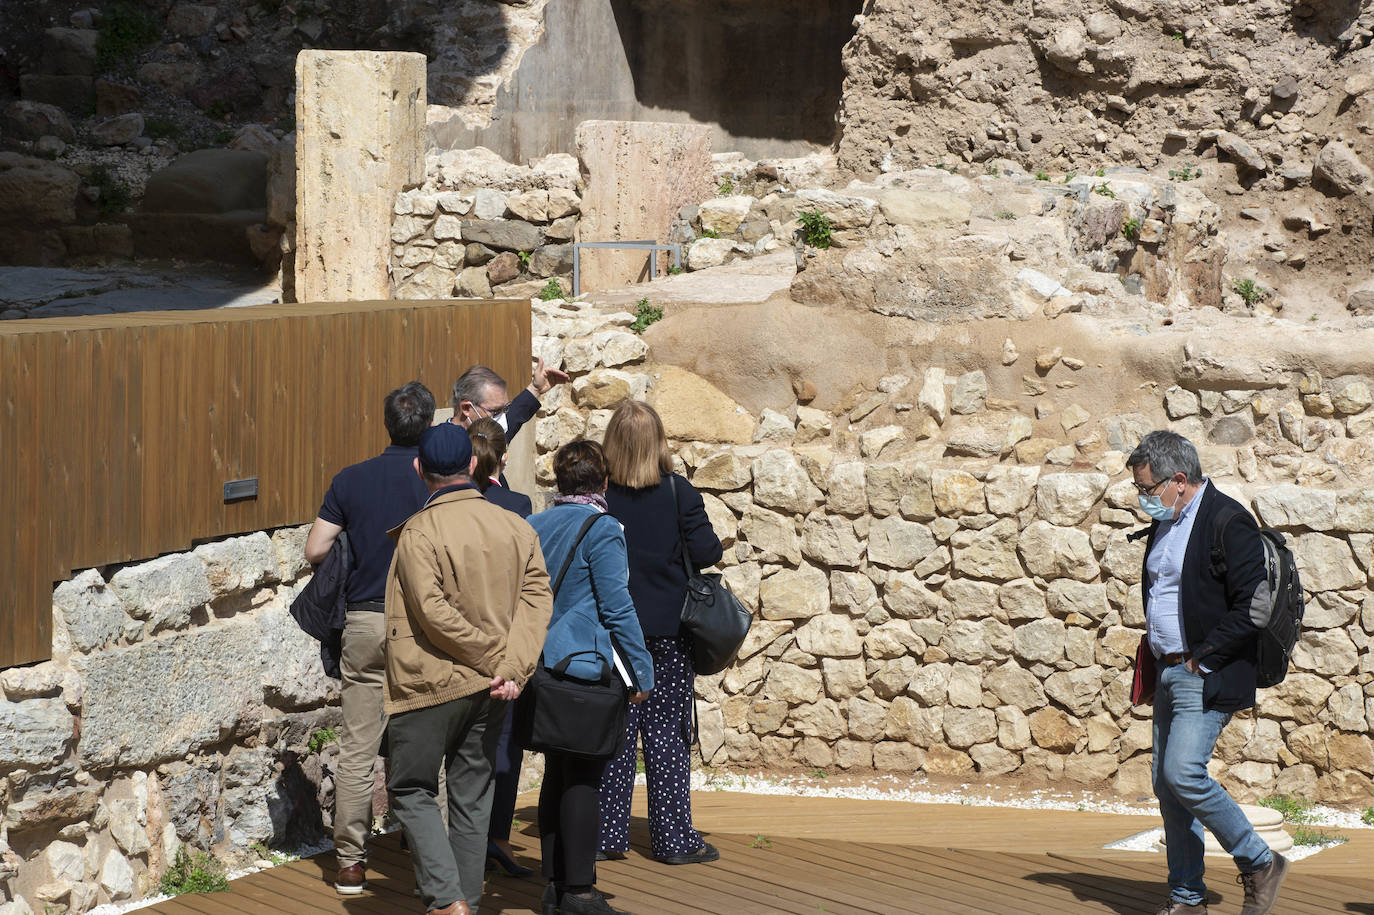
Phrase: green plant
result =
(639, 765)
(1006, 214)
(819, 773)
(1130, 228)
(727, 187)
(193, 873)
(321, 738)
(114, 196)
(816, 228)
(552, 290)
(275, 856)
(1102, 190)
(524, 258)
(1068, 176)
(675, 269)
(1176, 36)
(761, 842)
(943, 167)
(645, 314)
(158, 127)
(1187, 173)
(1100, 173)
(1306, 835)
(1294, 809)
(1249, 290)
(1367, 818)
(124, 32)
(989, 168)
(708, 233)
(1042, 176)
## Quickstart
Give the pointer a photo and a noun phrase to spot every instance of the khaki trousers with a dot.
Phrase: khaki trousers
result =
(363, 669)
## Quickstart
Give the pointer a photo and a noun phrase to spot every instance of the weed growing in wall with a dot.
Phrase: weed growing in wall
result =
(552, 290)
(1186, 173)
(727, 187)
(816, 228)
(1367, 818)
(1294, 809)
(645, 314)
(193, 872)
(322, 738)
(1249, 290)
(1130, 228)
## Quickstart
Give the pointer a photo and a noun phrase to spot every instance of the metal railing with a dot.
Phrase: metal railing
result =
(652, 247)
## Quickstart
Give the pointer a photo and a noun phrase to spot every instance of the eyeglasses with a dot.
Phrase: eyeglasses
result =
(1149, 490)
(492, 412)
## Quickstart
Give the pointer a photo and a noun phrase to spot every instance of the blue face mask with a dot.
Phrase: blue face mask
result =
(1155, 508)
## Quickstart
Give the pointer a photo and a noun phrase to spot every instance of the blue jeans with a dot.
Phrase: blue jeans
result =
(1189, 798)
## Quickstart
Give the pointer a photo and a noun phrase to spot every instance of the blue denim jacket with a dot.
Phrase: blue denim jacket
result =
(593, 603)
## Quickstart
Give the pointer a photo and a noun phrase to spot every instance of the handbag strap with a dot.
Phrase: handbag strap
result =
(586, 526)
(681, 535)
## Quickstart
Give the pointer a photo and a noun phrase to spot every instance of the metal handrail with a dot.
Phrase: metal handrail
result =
(638, 245)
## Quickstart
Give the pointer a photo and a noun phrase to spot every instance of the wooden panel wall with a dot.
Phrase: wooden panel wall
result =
(117, 433)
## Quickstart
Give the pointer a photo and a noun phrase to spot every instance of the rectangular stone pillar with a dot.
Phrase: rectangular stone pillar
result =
(360, 127)
(639, 174)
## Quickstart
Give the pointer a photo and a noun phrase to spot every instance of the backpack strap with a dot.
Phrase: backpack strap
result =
(681, 535)
(1216, 542)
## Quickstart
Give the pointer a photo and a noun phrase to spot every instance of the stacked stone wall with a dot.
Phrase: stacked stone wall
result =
(178, 709)
(939, 589)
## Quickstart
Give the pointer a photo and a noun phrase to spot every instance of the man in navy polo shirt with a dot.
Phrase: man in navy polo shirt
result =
(367, 500)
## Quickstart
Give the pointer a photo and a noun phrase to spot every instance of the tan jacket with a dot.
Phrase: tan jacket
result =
(467, 599)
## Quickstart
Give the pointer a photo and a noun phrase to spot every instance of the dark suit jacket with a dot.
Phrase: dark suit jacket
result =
(509, 499)
(658, 583)
(1216, 611)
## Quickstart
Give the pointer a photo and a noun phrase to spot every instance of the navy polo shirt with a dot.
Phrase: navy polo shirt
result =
(367, 500)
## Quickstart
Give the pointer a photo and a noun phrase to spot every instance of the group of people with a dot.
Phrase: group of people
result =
(449, 610)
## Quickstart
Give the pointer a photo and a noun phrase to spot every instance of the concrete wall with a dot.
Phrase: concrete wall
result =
(674, 61)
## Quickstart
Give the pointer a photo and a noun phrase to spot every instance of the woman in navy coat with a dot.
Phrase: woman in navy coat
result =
(642, 497)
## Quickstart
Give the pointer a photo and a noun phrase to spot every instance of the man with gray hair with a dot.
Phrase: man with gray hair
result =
(1203, 643)
(481, 393)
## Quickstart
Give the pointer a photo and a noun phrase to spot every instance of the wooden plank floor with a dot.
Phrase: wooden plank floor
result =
(795, 855)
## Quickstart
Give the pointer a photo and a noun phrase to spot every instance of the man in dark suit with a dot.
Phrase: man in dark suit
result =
(1203, 640)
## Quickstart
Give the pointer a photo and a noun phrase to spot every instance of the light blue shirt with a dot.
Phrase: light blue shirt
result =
(1164, 565)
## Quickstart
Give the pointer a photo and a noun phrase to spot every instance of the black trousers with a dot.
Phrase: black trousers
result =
(570, 818)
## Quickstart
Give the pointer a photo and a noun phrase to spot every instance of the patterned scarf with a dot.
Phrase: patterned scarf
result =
(594, 499)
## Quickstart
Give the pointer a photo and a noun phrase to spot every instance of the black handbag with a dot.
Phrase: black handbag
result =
(559, 713)
(712, 618)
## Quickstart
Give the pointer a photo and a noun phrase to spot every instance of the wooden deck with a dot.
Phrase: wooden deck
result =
(785, 854)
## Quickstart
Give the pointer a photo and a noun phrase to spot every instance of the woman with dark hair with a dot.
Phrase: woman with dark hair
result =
(665, 519)
(489, 447)
(593, 631)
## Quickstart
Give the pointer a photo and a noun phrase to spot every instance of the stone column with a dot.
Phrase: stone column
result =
(639, 174)
(360, 124)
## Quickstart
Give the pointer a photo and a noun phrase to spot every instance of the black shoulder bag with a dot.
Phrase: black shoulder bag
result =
(712, 617)
(558, 713)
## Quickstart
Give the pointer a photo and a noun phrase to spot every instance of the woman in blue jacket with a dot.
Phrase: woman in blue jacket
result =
(592, 613)
(665, 519)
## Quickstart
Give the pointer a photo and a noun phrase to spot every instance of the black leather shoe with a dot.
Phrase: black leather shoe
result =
(706, 853)
(595, 904)
(609, 855)
(553, 898)
(504, 862)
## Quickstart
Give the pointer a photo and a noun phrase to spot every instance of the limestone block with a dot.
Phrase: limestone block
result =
(932, 399)
(1055, 552)
(1075, 689)
(1040, 640)
(1021, 600)
(906, 597)
(970, 392)
(36, 191)
(1329, 652)
(1013, 728)
(977, 640)
(794, 594)
(902, 207)
(90, 611)
(908, 721)
(941, 760)
(116, 876)
(780, 482)
(723, 472)
(722, 519)
(1090, 768)
(1300, 697)
(930, 684)
(843, 677)
(818, 719)
(349, 102)
(812, 424)
(773, 427)
(163, 698)
(604, 389)
(852, 592)
(772, 534)
(1066, 597)
(238, 564)
(867, 720)
(1055, 730)
(638, 176)
(1009, 489)
(1122, 559)
(830, 540)
(1065, 499)
(970, 600)
(706, 252)
(163, 591)
(892, 678)
(845, 212)
(893, 639)
(29, 120)
(1330, 610)
(1338, 166)
(1354, 510)
(792, 684)
(724, 214)
(898, 543)
(292, 674)
(845, 488)
(964, 727)
(873, 441)
(966, 686)
(885, 485)
(695, 410)
(1015, 686)
(956, 492)
(1287, 505)
(39, 681)
(1326, 562)
(989, 553)
(1180, 402)
(36, 732)
(851, 754)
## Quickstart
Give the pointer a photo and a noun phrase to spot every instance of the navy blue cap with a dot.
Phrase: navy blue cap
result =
(445, 450)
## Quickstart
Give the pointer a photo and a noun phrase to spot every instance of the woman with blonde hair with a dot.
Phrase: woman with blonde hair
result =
(664, 518)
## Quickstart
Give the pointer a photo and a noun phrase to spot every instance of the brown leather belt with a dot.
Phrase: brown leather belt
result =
(1178, 657)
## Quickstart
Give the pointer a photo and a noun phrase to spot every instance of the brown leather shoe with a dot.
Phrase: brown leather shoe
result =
(1262, 886)
(453, 908)
(350, 880)
(1174, 907)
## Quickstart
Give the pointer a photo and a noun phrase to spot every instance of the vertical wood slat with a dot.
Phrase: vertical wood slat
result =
(118, 432)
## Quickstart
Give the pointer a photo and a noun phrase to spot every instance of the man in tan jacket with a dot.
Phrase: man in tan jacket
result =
(467, 607)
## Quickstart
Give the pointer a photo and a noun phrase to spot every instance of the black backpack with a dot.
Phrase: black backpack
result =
(1280, 617)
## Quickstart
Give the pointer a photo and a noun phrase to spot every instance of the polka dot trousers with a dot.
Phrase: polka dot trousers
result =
(663, 721)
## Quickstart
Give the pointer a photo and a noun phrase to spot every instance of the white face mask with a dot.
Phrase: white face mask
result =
(501, 421)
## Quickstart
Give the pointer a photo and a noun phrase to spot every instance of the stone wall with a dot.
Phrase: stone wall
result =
(177, 709)
(942, 578)
(480, 227)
